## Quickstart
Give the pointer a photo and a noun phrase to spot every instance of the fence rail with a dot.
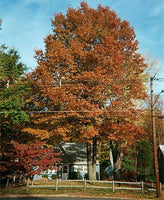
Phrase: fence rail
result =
(114, 185)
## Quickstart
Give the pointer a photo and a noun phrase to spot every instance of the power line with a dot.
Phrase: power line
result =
(89, 80)
(78, 82)
(82, 111)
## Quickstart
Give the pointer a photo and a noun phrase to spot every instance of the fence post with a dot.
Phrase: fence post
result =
(85, 184)
(152, 184)
(7, 183)
(113, 186)
(32, 182)
(160, 186)
(142, 186)
(27, 186)
(56, 185)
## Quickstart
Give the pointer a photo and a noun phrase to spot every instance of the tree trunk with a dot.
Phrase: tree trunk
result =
(94, 159)
(111, 156)
(115, 158)
(91, 160)
(118, 166)
(136, 161)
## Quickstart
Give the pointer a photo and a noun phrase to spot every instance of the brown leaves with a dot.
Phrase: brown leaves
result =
(90, 70)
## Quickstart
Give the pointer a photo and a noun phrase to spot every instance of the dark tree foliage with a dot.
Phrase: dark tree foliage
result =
(12, 93)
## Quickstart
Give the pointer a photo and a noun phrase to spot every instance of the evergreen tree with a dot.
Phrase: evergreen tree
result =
(144, 158)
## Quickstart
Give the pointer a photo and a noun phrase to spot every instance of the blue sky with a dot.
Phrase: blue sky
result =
(25, 23)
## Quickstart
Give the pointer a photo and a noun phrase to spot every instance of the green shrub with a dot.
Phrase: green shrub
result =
(79, 176)
(54, 176)
(45, 175)
(75, 175)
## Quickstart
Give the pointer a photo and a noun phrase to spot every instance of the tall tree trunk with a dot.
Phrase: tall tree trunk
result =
(118, 166)
(115, 158)
(94, 159)
(91, 160)
(111, 158)
(111, 154)
(136, 161)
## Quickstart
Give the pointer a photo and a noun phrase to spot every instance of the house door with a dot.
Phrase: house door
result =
(65, 172)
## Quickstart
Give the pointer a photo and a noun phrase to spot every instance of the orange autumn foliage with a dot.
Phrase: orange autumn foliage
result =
(88, 78)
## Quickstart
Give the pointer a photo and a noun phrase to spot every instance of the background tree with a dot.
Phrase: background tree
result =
(145, 119)
(112, 162)
(12, 102)
(87, 81)
(29, 159)
(12, 92)
(159, 111)
(145, 159)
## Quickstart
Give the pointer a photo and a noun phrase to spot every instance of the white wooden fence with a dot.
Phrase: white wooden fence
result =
(114, 185)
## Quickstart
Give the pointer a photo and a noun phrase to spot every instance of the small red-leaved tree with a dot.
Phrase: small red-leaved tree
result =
(30, 159)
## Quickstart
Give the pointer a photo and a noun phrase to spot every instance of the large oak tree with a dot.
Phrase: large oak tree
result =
(88, 80)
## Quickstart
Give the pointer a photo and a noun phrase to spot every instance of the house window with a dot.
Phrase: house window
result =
(65, 169)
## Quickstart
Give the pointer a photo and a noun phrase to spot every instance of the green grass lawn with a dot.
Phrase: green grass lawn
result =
(21, 190)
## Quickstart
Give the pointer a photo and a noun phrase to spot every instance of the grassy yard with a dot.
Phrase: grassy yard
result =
(21, 190)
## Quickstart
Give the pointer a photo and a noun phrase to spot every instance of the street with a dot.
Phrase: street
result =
(53, 198)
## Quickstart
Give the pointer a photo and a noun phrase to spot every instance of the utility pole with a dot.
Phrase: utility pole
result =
(154, 138)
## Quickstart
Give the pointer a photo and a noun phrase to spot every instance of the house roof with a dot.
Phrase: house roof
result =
(162, 149)
(73, 152)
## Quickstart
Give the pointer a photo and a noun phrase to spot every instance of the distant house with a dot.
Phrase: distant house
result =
(161, 163)
(73, 164)
(74, 160)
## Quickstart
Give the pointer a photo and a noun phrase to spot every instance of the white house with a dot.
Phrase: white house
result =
(74, 160)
